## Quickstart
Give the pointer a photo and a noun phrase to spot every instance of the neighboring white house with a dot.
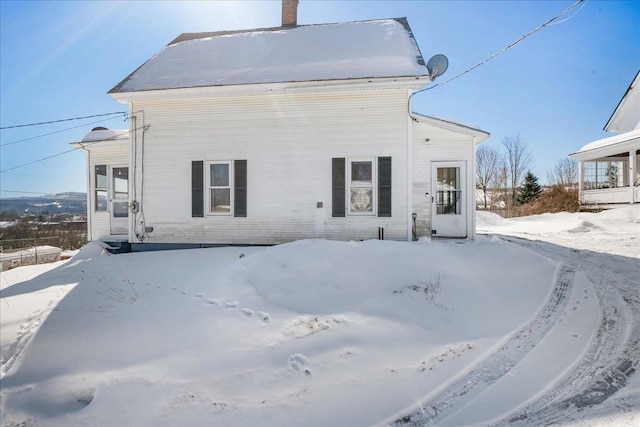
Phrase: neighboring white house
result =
(610, 167)
(273, 135)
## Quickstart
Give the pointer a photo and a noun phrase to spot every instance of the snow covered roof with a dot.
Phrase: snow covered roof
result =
(452, 125)
(350, 50)
(106, 135)
(612, 145)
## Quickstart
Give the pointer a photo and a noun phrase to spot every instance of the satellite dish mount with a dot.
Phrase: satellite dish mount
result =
(437, 65)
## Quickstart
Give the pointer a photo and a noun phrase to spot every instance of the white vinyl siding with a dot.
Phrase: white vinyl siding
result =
(443, 145)
(288, 141)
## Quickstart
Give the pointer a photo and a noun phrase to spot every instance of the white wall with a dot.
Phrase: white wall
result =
(443, 145)
(288, 141)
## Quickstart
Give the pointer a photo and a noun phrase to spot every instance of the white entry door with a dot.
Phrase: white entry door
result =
(119, 200)
(448, 208)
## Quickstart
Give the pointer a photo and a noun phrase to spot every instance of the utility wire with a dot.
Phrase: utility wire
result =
(68, 151)
(58, 131)
(501, 51)
(63, 120)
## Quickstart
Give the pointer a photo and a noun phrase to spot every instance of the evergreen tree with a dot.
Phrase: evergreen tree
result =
(529, 190)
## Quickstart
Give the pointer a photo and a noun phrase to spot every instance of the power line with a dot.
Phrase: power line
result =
(63, 120)
(68, 151)
(501, 51)
(58, 131)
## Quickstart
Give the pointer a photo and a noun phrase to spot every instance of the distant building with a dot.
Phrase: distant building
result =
(610, 167)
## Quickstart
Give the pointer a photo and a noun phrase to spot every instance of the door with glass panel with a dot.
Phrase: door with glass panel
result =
(448, 208)
(119, 200)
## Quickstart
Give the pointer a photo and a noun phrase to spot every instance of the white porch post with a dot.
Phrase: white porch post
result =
(632, 174)
(580, 183)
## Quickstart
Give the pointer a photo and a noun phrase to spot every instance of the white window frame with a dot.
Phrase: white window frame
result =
(104, 189)
(374, 186)
(210, 187)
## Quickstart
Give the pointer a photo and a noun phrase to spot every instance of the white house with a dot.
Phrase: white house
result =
(610, 167)
(272, 135)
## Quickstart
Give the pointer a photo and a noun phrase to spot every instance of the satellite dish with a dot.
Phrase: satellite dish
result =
(437, 65)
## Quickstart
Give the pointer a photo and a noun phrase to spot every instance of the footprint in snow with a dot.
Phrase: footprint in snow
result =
(247, 312)
(264, 317)
(200, 295)
(298, 362)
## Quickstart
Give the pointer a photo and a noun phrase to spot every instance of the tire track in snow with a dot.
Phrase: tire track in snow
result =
(499, 363)
(614, 351)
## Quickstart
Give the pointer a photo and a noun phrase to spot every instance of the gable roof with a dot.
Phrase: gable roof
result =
(351, 50)
(627, 108)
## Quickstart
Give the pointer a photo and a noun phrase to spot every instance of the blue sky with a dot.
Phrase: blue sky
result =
(556, 89)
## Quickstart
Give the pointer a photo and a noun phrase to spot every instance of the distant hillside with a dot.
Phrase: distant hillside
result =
(52, 204)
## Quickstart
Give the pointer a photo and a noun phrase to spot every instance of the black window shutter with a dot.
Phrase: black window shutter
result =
(240, 188)
(384, 186)
(197, 185)
(337, 187)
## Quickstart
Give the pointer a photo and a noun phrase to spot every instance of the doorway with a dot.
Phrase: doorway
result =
(119, 200)
(448, 207)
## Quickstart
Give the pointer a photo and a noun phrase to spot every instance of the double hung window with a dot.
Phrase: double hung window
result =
(218, 188)
(361, 187)
(220, 185)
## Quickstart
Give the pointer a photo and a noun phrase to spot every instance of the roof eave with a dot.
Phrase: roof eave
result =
(618, 144)
(408, 82)
(453, 126)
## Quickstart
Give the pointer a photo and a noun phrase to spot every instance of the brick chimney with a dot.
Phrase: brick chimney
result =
(289, 13)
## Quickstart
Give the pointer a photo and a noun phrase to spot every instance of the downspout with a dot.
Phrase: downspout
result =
(409, 172)
(472, 193)
(632, 175)
(89, 192)
(132, 173)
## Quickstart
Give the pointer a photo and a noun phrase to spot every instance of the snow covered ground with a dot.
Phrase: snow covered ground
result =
(536, 322)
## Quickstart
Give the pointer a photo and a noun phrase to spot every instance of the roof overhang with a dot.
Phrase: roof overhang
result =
(609, 146)
(465, 129)
(102, 137)
(409, 83)
(627, 105)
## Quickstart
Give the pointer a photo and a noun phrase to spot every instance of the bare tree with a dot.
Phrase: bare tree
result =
(564, 173)
(487, 169)
(517, 160)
